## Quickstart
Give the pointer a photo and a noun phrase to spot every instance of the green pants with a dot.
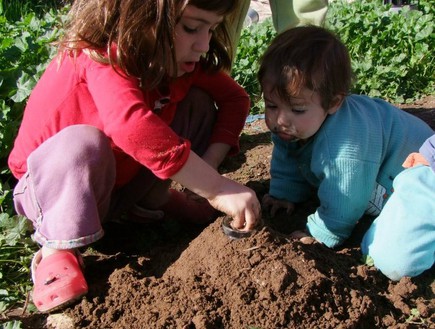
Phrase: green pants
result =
(285, 14)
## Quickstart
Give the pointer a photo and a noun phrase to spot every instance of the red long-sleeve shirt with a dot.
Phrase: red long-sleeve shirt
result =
(82, 91)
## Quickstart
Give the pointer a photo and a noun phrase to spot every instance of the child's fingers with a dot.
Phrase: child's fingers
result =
(248, 219)
(240, 222)
(275, 206)
(299, 235)
(303, 236)
(274, 209)
(290, 208)
(250, 222)
(266, 200)
(415, 159)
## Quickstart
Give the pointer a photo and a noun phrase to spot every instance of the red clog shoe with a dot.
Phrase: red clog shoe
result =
(58, 280)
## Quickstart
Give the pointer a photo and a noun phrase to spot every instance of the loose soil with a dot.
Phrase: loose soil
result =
(171, 276)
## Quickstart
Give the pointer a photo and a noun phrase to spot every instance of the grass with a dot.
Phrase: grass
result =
(16, 251)
(14, 10)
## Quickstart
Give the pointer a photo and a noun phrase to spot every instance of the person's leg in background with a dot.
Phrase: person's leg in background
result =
(285, 15)
(291, 13)
(235, 23)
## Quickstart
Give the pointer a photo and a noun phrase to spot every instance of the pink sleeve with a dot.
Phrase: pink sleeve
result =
(131, 124)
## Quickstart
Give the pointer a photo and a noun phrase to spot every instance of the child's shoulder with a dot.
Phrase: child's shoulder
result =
(358, 123)
(374, 110)
(354, 101)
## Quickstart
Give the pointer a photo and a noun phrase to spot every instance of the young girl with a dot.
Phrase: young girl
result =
(348, 147)
(136, 98)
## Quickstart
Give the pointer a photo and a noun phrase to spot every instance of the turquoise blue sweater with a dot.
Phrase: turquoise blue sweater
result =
(365, 142)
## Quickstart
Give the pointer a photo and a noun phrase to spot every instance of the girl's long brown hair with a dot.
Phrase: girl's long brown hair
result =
(136, 37)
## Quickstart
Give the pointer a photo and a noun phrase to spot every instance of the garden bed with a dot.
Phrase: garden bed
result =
(198, 278)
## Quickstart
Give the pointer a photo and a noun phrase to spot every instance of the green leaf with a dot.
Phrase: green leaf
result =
(12, 324)
(367, 260)
(25, 84)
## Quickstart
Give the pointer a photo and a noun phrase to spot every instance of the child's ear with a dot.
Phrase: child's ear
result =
(335, 104)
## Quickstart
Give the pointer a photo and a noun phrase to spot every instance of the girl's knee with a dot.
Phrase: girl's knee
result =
(84, 138)
(78, 147)
(195, 118)
(199, 102)
(82, 143)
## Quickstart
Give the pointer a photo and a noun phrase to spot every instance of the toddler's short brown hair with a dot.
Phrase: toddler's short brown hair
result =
(307, 56)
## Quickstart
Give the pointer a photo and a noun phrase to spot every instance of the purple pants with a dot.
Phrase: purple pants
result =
(68, 189)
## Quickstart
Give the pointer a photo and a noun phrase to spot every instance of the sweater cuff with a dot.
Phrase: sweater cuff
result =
(317, 228)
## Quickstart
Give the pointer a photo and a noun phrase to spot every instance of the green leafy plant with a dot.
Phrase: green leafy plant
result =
(391, 52)
(16, 250)
(25, 49)
(13, 10)
(253, 42)
(416, 318)
(24, 54)
(11, 325)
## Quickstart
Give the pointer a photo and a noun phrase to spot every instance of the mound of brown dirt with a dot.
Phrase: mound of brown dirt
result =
(172, 276)
(265, 281)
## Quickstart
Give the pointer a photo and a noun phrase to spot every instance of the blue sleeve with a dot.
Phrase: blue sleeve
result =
(286, 181)
(344, 193)
(363, 144)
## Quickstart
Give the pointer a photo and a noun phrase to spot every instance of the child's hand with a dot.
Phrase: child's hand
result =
(275, 205)
(303, 237)
(226, 195)
(239, 202)
(415, 159)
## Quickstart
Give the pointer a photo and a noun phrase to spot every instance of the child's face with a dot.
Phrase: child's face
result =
(296, 121)
(192, 36)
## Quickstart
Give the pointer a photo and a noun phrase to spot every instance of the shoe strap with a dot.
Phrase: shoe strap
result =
(37, 258)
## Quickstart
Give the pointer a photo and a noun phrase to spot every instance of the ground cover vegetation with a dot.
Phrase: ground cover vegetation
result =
(392, 57)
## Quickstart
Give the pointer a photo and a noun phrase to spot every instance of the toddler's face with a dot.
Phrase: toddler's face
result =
(192, 36)
(297, 121)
